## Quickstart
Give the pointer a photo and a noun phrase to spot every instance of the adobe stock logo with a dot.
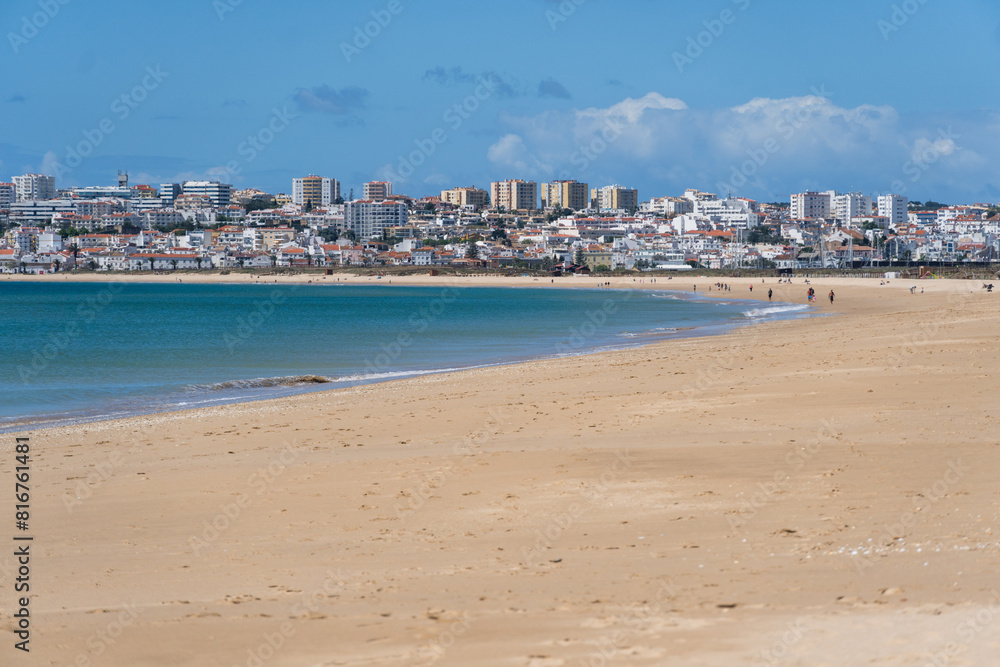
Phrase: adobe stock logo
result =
(566, 9)
(901, 15)
(31, 25)
(698, 44)
(122, 107)
(372, 29)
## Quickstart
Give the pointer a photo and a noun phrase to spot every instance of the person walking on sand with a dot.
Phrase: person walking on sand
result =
(831, 296)
(770, 293)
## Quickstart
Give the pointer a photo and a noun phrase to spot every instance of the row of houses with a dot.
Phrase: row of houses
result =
(700, 229)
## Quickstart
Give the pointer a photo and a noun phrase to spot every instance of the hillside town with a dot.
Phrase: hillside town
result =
(563, 226)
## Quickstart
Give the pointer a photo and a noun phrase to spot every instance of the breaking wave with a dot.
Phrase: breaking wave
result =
(290, 381)
(776, 310)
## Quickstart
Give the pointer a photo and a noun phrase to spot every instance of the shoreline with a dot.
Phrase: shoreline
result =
(831, 476)
(637, 340)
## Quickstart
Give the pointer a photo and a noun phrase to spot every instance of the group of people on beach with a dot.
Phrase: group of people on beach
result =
(811, 295)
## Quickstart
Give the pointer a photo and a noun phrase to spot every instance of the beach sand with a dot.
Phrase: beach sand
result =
(811, 492)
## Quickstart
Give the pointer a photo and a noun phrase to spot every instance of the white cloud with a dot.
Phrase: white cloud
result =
(511, 152)
(764, 148)
(51, 165)
(440, 180)
(631, 110)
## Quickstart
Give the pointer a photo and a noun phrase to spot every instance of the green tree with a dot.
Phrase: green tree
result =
(578, 258)
(472, 251)
(766, 235)
(258, 205)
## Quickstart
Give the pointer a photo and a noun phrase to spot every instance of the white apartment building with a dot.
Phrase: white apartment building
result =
(315, 189)
(735, 213)
(36, 211)
(895, 208)
(96, 207)
(811, 205)
(50, 242)
(220, 194)
(144, 205)
(100, 192)
(169, 192)
(615, 198)
(34, 186)
(670, 205)
(161, 218)
(515, 195)
(377, 190)
(846, 207)
(952, 212)
(8, 195)
(25, 240)
(367, 219)
(697, 196)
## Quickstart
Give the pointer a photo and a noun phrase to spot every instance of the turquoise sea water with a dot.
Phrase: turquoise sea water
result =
(84, 351)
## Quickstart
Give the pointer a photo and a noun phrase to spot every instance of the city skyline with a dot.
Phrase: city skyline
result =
(689, 97)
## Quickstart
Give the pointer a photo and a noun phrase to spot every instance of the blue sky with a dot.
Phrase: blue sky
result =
(759, 97)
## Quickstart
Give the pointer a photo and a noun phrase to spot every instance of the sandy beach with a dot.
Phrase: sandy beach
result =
(809, 492)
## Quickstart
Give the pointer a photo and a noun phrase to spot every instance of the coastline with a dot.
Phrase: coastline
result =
(539, 513)
(225, 389)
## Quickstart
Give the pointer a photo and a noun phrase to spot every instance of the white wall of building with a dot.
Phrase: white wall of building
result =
(895, 208)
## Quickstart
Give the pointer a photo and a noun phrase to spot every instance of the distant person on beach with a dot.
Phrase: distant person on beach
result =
(770, 293)
(831, 296)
